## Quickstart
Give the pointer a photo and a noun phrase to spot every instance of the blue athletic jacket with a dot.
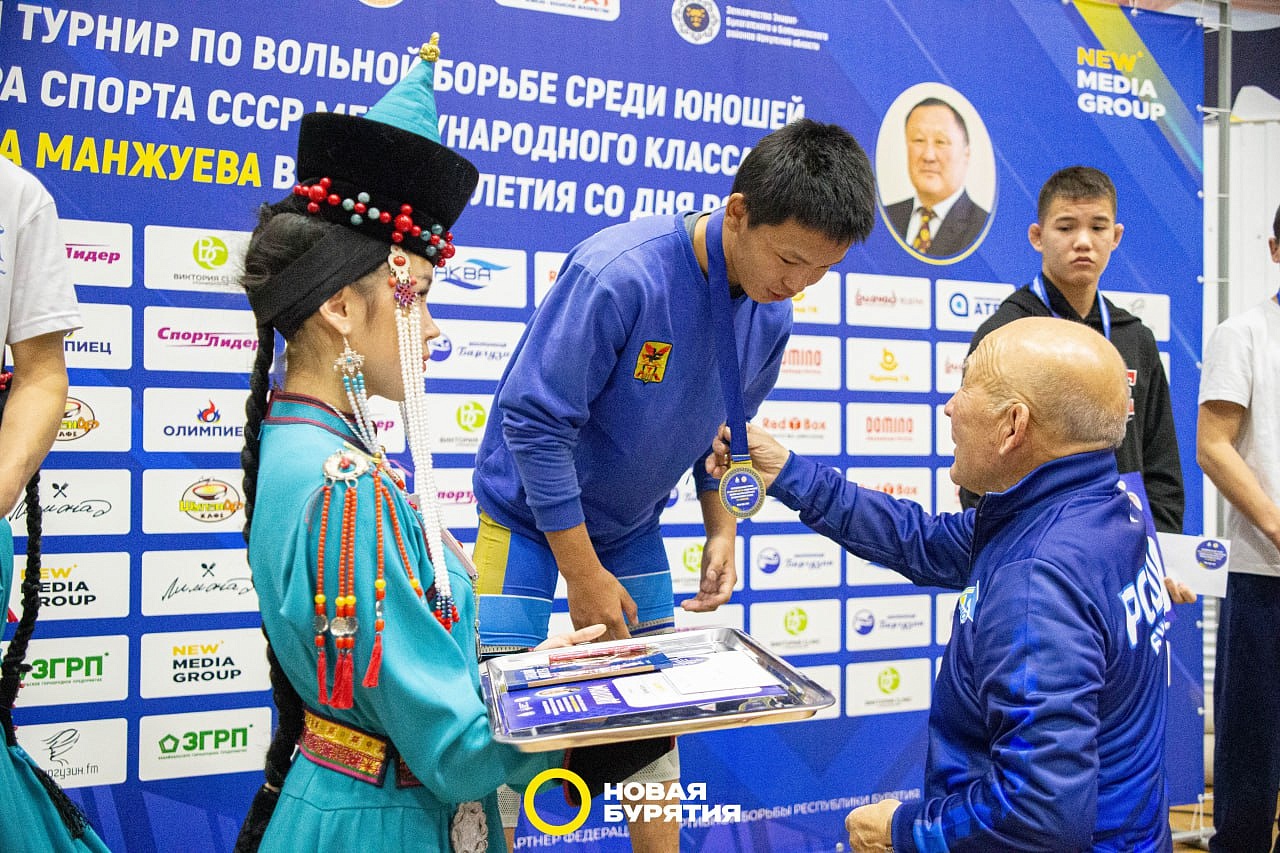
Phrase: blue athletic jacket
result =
(1047, 725)
(612, 393)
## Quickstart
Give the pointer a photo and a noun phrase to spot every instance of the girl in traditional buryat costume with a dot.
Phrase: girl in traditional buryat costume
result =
(368, 610)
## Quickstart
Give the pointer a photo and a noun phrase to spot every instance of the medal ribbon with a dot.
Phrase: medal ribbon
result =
(726, 345)
(1037, 287)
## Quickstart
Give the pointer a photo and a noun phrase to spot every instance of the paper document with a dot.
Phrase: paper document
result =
(732, 670)
(1198, 561)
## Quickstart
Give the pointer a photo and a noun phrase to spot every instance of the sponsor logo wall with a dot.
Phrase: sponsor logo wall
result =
(148, 671)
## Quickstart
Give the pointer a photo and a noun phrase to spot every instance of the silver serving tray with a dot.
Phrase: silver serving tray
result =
(802, 697)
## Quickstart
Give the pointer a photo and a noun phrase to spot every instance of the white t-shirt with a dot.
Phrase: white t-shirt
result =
(1242, 366)
(36, 294)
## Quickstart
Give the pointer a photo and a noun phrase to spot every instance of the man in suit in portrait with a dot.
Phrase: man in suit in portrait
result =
(940, 220)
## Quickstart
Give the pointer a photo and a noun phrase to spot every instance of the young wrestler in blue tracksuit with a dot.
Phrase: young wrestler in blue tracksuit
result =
(603, 432)
(617, 388)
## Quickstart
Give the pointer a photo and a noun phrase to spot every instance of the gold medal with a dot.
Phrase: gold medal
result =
(742, 490)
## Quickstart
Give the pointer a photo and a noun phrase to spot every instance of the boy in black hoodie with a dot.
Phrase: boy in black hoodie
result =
(1076, 231)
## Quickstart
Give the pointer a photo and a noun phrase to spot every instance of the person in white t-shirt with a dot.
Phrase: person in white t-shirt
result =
(1238, 446)
(37, 308)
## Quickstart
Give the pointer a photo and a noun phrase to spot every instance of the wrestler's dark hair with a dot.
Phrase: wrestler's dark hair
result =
(938, 102)
(1275, 225)
(816, 174)
(1076, 183)
(15, 667)
(280, 238)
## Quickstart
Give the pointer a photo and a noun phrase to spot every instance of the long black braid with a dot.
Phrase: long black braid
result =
(280, 238)
(288, 702)
(15, 667)
(268, 251)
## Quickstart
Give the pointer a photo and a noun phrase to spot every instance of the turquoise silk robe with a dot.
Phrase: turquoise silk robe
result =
(427, 701)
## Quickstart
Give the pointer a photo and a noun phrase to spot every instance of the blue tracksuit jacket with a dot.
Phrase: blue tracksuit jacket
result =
(613, 391)
(1048, 717)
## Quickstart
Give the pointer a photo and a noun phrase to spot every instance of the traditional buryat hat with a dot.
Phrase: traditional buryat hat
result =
(386, 178)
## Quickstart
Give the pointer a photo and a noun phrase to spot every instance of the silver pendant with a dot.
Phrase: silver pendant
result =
(344, 626)
(320, 624)
(344, 466)
(469, 831)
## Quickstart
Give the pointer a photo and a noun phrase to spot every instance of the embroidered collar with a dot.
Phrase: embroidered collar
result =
(290, 408)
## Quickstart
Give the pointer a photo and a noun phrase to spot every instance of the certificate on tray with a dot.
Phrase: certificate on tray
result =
(686, 681)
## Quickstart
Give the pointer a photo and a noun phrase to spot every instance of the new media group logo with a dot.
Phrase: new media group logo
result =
(209, 252)
(210, 500)
(196, 662)
(888, 680)
(78, 420)
(697, 21)
(59, 589)
(692, 558)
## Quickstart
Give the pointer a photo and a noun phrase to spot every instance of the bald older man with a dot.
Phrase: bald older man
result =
(1047, 725)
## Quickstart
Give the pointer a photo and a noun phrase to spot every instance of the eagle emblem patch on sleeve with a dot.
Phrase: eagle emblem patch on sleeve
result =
(651, 364)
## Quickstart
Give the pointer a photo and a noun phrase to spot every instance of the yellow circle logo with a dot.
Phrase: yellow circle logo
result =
(584, 796)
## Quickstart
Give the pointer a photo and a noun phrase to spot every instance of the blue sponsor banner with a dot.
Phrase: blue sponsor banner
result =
(159, 131)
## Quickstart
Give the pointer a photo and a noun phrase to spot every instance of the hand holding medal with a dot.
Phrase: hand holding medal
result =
(766, 454)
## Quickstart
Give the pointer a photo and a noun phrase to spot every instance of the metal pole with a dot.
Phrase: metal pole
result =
(1224, 188)
(1224, 160)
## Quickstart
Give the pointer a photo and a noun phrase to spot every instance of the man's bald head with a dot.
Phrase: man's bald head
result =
(1072, 380)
